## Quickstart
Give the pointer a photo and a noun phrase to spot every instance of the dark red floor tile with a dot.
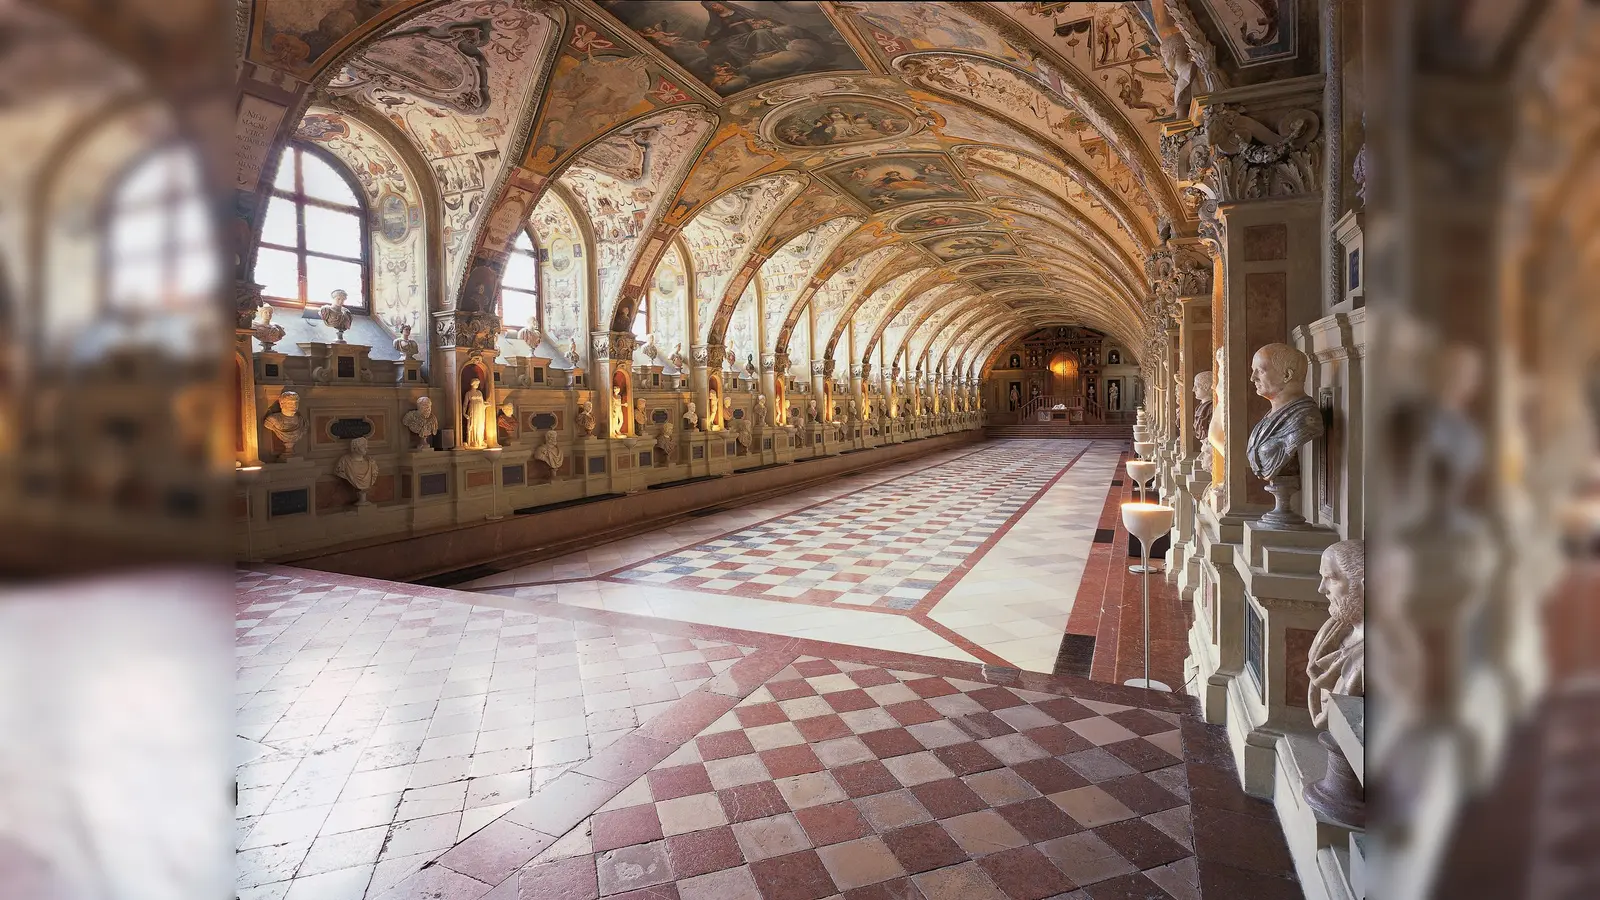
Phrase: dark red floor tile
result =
(625, 760)
(752, 801)
(687, 718)
(822, 728)
(982, 725)
(965, 759)
(563, 803)
(913, 712)
(891, 742)
(1024, 873)
(1220, 880)
(782, 762)
(931, 687)
(792, 689)
(994, 698)
(871, 677)
(921, 848)
(723, 745)
(1065, 710)
(834, 823)
(797, 876)
(699, 852)
(948, 797)
(1141, 843)
(1243, 842)
(1049, 776)
(1141, 721)
(760, 714)
(569, 879)
(815, 667)
(864, 779)
(1141, 754)
(1059, 740)
(1217, 787)
(679, 781)
(1140, 794)
(846, 701)
(1140, 887)
(1039, 819)
(622, 827)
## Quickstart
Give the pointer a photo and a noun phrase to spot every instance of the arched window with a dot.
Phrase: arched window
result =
(519, 286)
(314, 239)
(161, 255)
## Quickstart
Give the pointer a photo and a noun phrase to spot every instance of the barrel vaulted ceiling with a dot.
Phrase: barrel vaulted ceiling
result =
(939, 177)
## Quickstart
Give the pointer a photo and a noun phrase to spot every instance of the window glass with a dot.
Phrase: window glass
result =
(314, 237)
(159, 252)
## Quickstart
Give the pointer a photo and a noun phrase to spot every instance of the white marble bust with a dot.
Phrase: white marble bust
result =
(359, 469)
(586, 418)
(1278, 373)
(691, 417)
(422, 422)
(335, 316)
(405, 344)
(549, 452)
(287, 424)
(1337, 661)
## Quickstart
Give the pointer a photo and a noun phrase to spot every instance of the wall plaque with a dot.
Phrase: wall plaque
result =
(288, 503)
(349, 429)
(542, 421)
(511, 475)
(658, 416)
(597, 465)
(434, 484)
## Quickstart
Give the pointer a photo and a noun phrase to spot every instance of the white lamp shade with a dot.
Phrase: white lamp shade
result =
(1141, 470)
(1147, 521)
(1145, 449)
(1140, 433)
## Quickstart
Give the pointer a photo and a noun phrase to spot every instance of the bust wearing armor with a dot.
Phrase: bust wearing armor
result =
(1278, 373)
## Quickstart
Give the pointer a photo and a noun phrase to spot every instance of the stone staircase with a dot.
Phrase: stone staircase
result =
(1061, 430)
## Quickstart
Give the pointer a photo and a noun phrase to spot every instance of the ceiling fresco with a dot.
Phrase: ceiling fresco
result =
(930, 166)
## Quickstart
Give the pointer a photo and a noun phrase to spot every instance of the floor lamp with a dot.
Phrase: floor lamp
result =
(1145, 521)
(1141, 471)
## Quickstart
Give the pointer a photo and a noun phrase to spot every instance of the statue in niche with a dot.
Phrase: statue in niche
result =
(505, 422)
(335, 316)
(422, 423)
(713, 407)
(475, 412)
(691, 417)
(263, 329)
(529, 334)
(549, 452)
(1278, 373)
(667, 440)
(638, 417)
(761, 410)
(287, 424)
(1337, 661)
(359, 469)
(586, 417)
(677, 358)
(618, 416)
(407, 347)
(1217, 430)
(1202, 415)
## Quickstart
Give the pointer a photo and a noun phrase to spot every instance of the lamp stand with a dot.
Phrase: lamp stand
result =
(1145, 682)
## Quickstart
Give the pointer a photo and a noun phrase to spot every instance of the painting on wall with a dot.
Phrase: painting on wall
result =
(836, 121)
(1008, 280)
(952, 247)
(985, 266)
(1257, 31)
(887, 181)
(735, 45)
(940, 219)
(294, 34)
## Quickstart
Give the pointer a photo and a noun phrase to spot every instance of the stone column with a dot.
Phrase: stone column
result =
(466, 338)
(611, 353)
(247, 451)
(819, 384)
(699, 380)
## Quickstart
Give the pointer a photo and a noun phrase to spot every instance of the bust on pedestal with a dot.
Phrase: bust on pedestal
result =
(1278, 373)
(1202, 416)
(359, 469)
(1337, 665)
(287, 423)
(422, 423)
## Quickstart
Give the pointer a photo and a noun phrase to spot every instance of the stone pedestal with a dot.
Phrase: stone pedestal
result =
(591, 462)
(338, 363)
(269, 367)
(1216, 639)
(1283, 611)
(1325, 848)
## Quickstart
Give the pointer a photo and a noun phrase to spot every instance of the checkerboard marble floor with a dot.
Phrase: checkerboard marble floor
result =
(403, 742)
(968, 555)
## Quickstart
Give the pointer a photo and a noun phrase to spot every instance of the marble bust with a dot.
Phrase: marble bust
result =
(761, 410)
(1337, 661)
(638, 417)
(668, 439)
(1202, 415)
(359, 469)
(530, 335)
(335, 316)
(586, 418)
(550, 452)
(405, 344)
(422, 423)
(263, 329)
(691, 417)
(812, 415)
(287, 423)
(1278, 373)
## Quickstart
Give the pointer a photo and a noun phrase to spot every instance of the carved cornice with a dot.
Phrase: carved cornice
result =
(457, 330)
